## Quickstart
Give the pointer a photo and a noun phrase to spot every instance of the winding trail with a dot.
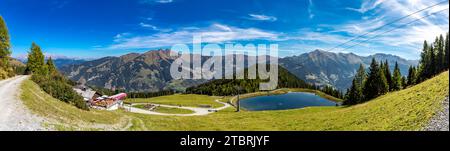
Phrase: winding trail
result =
(14, 116)
(198, 111)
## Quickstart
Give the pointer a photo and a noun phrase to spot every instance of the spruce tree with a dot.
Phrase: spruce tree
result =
(424, 63)
(432, 59)
(411, 79)
(447, 53)
(403, 82)
(4, 44)
(440, 64)
(387, 73)
(354, 94)
(397, 78)
(36, 60)
(360, 76)
(51, 66)
(376, 83)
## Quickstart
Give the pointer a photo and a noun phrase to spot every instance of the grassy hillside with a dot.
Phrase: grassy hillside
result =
(167, 110)
(180, 99)
(409, 109)
(64, 116)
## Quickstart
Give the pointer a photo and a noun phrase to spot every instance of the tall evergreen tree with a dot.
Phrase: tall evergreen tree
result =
(424, 63)
(51, 66)
(4, 44)
(354, 94)
(360, 76)
(397, 78)
(447, 53)
(36, 60)
(432, 59)
(411, 79)
(440, 54)
(403, 82)
(376, 83)
(387, 74)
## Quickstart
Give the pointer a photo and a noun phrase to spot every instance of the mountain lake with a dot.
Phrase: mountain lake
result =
(292, 100)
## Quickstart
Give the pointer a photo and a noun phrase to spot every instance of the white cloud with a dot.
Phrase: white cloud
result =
(164, 1)
(152, 27)
(310, 9)
(214, 33)
(260, 17)
(121, 35)
(367, 5)
(156, 1)
(148, 26)
(405, 38)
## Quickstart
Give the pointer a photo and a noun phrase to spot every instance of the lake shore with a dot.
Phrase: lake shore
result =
(232, 101)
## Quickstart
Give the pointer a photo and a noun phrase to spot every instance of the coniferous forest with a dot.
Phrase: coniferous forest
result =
(434, 59)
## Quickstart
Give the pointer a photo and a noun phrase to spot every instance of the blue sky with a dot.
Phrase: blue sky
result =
(92, 29)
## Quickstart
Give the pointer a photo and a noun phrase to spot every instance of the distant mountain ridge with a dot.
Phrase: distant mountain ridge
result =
(150, 71)
(59, 61)
(337, 69)
(147, 72)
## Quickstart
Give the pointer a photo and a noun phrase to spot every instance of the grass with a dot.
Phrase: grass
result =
(409, 109)
(192, 100)
(64, 116)
(168, 110)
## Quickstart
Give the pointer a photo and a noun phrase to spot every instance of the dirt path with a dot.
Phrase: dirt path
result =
(440, 121)
(197, 111)
(14, 116)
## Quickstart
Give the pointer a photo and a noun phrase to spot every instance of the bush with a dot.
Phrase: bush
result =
(6, 73)
(3, 74)
(58, 87)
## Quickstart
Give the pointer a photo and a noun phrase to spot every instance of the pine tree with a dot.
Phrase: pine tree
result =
(387, 74)
(424, 63)
(403, 82)
(4, 44)
(411, 79)
(354, 94)
(397, 78)
(51, 66)
(432, 59)
(36, 62)
(376, 83)
(360, 76)
(440, 64)
(447, 53)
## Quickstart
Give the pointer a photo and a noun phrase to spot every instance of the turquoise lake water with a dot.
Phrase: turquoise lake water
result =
(293, 100)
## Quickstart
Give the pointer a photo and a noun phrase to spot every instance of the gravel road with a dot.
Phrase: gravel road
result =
(14, 116)
(440, 121)
(197, 111)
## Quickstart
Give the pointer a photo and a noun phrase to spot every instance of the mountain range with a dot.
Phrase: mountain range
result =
(336, 69)
(150, 71)
(58, 61)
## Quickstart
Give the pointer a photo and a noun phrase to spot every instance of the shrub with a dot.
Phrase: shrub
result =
(3, 74)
